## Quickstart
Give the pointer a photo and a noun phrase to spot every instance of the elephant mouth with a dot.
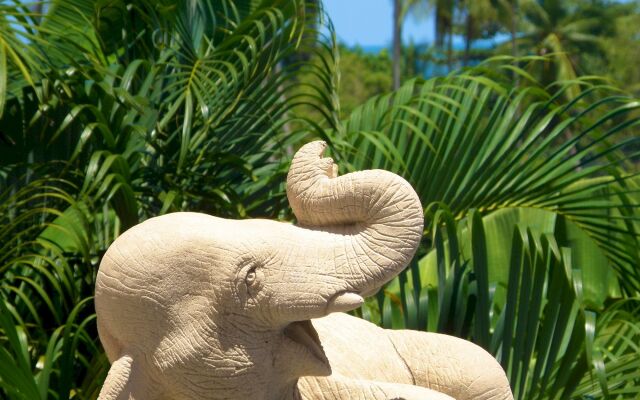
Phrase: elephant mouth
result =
(304, 334)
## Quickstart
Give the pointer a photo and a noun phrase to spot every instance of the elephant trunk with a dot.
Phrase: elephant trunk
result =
(377, 214)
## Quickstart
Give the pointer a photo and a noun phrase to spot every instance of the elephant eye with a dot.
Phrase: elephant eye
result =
(251, 276)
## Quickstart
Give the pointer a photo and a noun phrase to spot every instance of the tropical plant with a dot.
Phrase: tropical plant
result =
(470, 20)
(445, 14)
(491, 157)
(396, 52)
(622, 52)
(536, 324)
(567, 30)
(362, 76)
(507, 13)
(114, 112)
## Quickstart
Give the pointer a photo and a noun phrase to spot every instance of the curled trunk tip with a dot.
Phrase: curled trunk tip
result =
(378, 213)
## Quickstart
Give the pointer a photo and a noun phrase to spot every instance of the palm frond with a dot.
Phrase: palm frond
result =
(535, 323)
(472, 142)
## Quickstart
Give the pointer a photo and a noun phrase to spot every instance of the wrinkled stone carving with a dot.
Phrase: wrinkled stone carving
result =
(192, 306)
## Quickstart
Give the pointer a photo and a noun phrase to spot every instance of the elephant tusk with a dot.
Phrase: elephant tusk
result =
(343, 302)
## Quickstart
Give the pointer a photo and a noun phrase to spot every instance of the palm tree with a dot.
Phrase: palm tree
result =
(477, 16)
(566, 30)
(398, 17)
(444, 11)
(480, 20)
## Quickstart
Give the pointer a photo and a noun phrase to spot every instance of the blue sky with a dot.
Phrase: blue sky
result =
(368, 23)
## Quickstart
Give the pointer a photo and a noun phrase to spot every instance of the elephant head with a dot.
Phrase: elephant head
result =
(194, 306)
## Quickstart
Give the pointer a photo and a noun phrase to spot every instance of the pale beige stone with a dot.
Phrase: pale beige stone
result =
(192, 306)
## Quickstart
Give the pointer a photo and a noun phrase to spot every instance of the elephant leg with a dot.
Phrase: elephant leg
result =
(342, 388)
(451, 365)
(117, 386)
(125, 381)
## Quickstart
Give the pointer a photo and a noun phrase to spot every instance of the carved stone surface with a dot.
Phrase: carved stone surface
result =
(192, 306)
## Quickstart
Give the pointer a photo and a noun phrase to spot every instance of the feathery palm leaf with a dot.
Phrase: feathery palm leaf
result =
(470, 141)
(182, 109)
(550, 345)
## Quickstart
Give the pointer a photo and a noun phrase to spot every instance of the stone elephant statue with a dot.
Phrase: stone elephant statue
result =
(191, 306)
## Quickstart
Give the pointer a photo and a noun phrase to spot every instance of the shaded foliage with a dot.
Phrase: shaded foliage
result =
(116, 112)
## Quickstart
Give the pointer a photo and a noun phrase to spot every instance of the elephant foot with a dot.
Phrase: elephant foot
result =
(342, 388)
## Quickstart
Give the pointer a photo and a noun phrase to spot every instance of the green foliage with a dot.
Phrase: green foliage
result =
(470, 141)
(362, 76)
(535, 323)
(583, 37)
(622, 54)
(568, 30)
(532, 227)
(114, 112)
(117, 112)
